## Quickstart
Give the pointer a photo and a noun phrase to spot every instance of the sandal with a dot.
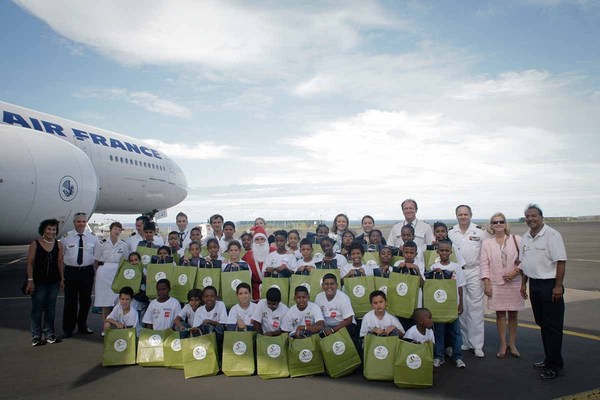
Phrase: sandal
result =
(513, 351)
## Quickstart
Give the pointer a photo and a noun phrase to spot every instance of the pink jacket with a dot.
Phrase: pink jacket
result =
(491, 259)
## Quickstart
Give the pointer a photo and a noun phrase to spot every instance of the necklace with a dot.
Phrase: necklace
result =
(47, 241)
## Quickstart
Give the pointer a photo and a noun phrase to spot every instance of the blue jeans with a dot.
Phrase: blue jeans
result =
(43, 300)
(439, 331)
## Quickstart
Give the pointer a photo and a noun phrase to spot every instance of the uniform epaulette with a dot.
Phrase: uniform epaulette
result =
(449, 229)
(103, 241)
(65, 235)
(478, 227)
(133, 234)
(123, 240)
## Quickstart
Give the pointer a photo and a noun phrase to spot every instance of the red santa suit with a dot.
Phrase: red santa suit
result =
(256, 267)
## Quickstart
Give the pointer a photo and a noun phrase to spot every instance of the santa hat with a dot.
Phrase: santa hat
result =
(259, 231)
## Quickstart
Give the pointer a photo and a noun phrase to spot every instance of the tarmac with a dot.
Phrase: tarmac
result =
(72, 369)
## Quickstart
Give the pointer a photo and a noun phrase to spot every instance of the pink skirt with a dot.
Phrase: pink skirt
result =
(507, 297)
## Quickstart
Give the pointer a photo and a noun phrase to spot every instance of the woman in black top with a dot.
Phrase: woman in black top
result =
(45, 277)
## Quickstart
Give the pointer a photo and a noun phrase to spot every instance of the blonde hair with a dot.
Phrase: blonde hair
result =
(490, 228)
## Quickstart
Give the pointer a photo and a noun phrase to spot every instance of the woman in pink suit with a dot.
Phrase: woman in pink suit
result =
(501, 277)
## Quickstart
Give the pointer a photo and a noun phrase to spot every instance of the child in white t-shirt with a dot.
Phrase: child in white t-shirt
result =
(293, 243)
(304, 318)
(355, 267)
(280, 263)
(122, 315)
(162, 311)
(306, 262)
(269, 314)
(378, 321)
(422, 331)
(240, 315)
(185, 318)
(212, 316)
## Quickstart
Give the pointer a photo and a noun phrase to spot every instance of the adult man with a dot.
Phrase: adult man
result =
(468, 239)
(423, 231)
(138, 235)
(182, 226)
(78, 258)
(216, 225)
(543, 261)
(256, 259)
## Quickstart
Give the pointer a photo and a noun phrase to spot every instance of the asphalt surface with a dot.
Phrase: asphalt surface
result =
(72, 369)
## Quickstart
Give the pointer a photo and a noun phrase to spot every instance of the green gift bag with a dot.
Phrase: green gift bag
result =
(414, 365)
(441, 298)
(272, 356)
(127, 275)
(172, 351)
(238, 353)
(317, 249)
(229, 283)
(119, 347)
(431, 257)
(396, 260)
(371, 256)
(299, 280)
(380, 283)
(183, 281)
(358, 289)
(199, 356)
(208, 277)
(304, 357)
(316, 276)
(379, 357)
(402, 294)
(339, 354)
(146, 253)
(283, 284)
(155, 273)
(150, 351)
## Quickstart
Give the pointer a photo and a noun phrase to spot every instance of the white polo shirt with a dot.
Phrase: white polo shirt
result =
(469, 243)
(540, 254)
(423, 234)
(71, 248)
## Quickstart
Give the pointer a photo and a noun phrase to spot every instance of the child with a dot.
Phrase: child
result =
(140, 300)
(185, 318)
(422, 331)
(367, 222)
(246, 239)
(336, 308)
(214, 259)
(330, 259)
(410, 266)
(445, 265)
(293, 240)
(163, 256)
(228, 232)
(149, 233)
(212, 316)
(162, 311)
(234, 263)
(440, 231)
(196, 235)
(347, 241)
(304, 318)
(280, 263)
(375, 240)
(408, 235)
(176, 250)
(269, 313)
(321, 232)
(122, 316)
(195, 259)
(378, 321)
(306, 263)
(240, 315)
(356, 268)
(385, 261)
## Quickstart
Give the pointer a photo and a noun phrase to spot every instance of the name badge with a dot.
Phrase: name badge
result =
(475, 238)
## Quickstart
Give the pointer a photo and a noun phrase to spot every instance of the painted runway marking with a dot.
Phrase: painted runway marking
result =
(13, 262)
(589, 395)
(565, 331)
(581, 259)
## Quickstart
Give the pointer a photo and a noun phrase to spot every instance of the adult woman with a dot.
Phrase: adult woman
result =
(367, 223)
(339, 226)
(45, 277)
(502, 280)
(108, 254)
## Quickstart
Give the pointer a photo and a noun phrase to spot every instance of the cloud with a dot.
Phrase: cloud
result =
(193, 151)
(512, 83)
(145, 100)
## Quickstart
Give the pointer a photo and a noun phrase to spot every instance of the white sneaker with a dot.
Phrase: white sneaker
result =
(458, 363)
(479, 353)
(449, 352)
(464, 347)
(437, 362)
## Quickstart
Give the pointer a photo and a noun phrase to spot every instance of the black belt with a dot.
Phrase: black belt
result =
(78, 266)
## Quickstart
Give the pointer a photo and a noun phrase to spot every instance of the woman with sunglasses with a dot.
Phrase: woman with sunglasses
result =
(501, 277)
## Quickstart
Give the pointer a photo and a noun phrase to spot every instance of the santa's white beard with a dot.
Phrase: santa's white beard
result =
(260, 251)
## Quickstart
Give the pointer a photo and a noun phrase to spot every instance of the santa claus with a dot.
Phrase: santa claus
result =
(256, 258)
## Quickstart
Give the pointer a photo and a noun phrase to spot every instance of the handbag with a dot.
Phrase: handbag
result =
(238, 353)
(183, 281)
(339, 354)
(441, 298)
(272, 356)
(380, 356)
(403, 294)
(119, 347)
(358, 289)
(414, 365)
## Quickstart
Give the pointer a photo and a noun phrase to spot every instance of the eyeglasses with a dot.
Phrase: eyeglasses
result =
(80, 214)
(498, 222)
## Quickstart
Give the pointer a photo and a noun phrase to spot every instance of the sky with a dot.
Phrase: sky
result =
(302, 110)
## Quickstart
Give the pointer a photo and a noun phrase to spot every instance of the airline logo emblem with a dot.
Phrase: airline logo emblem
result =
(67, 189)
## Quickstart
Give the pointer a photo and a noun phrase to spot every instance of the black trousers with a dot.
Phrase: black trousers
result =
(549, 316)
(79, 282)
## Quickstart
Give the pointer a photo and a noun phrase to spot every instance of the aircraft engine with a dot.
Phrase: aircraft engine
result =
(41, 176)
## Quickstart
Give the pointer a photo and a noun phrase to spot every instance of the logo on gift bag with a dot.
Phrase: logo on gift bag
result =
(338, 348)
(358, 291)
(120, 345)
(207, 281)
(235, 283)
(372, 264)
(275, 286)
(239, 348)
(146, 259)
(380, 352)
(440, 296)
(402, 289)
(129, 273)
(160, 275)
(182, 279)
(155, 340)
(199, 353)
(383, 289)
(176, 345)
(307, 286)
(305, 355)
(413, 361)
(274, 350)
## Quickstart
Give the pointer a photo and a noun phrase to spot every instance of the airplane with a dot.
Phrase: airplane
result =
(51, 167)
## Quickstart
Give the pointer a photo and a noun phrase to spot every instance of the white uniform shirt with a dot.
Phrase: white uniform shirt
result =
(270, 320)
(187, 314)
(217, 314)
(335, 310)
(238, 312)
(106, 251)
(423, 234)
(129, 319)
(458, 275)
(71, 248)
(370, 322)
(274, 260)
(416, 336)
(308, 317)
(186, 238)
(469, 243)
(540, 254)
(162, 315)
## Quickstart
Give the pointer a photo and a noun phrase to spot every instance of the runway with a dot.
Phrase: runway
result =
(72, 369)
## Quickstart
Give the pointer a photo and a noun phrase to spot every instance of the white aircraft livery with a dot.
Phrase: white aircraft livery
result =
(51, 167)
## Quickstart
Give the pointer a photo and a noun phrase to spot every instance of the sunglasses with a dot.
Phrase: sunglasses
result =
(498, 222)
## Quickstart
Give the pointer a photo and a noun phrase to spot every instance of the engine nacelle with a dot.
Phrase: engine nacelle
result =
(41, 177)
